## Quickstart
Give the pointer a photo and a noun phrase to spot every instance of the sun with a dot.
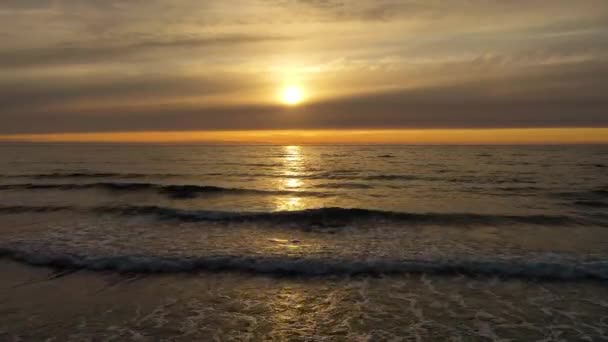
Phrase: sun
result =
(292, 95)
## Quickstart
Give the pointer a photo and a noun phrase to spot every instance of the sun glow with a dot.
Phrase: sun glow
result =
(292, 95)
(503, 136)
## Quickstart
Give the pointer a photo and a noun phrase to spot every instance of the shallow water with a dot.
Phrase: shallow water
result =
(87, 306)
(477, 220)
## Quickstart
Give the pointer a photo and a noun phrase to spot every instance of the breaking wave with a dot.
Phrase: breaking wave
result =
(294, 266)
(324, 217)
(342, 216)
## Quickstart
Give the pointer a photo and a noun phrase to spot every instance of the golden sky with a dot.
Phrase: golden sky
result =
(368, 70)
(303, 137)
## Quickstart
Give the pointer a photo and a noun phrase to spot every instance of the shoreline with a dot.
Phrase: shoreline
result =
(38, 303)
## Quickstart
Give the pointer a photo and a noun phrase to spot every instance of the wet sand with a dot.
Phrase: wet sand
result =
(39, 304)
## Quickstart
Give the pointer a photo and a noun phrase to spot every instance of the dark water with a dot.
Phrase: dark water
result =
(324, 214)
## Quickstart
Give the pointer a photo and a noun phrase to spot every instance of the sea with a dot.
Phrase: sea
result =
(144, 242)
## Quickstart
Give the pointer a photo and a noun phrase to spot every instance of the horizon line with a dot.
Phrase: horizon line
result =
(407, 136)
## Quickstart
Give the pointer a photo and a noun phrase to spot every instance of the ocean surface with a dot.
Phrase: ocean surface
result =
(489, 243)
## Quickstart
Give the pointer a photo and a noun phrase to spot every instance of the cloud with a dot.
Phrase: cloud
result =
(548, 96)
(91, 52)
(44, 93)
(93, 65)
(436, 11)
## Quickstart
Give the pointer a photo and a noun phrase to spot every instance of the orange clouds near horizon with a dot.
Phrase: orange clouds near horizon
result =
(303, 137)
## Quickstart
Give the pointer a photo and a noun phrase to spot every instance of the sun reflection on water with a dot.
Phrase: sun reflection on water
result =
(292, 183)
(293, 170)
(293, 154)
(290, 203)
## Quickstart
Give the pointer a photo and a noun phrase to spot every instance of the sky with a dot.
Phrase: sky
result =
(404, 71)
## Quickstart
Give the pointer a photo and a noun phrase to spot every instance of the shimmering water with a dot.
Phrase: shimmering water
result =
(512, 238)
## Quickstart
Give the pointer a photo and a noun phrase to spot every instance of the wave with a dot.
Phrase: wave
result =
(96, 175)
(18, 209)
(491, 180)
(601, 192)
(295, 266)
(593, 204)
(260, 165)
(343, 186)
(593, 198)
(171, 191)
(519, 189)
(322, 217)
(592, 165)
(391, 177)
(93, 175)
(335, 217)
(333, 175)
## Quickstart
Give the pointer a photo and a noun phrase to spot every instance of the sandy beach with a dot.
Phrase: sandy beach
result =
(42, 304)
